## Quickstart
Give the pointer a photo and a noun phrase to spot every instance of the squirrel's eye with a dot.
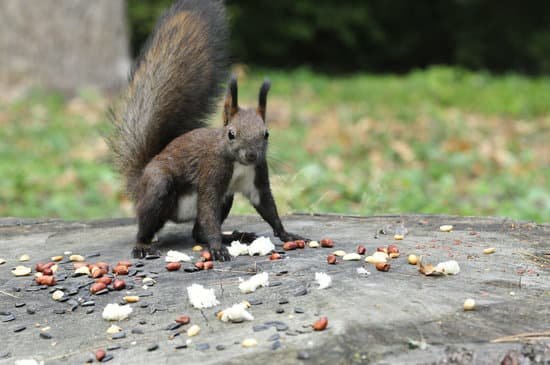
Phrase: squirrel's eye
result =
(231, 134)
(266, 135)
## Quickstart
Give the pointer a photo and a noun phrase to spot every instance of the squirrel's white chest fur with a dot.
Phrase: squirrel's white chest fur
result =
(242, 181)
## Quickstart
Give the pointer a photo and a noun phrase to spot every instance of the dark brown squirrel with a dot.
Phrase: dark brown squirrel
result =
(175, 167)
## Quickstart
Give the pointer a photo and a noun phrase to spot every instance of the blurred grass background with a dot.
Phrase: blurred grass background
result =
(441, 140)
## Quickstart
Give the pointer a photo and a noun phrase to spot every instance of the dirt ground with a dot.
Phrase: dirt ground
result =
(394, 317)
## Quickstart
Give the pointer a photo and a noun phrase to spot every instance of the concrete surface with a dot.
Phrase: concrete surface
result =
(371, 318)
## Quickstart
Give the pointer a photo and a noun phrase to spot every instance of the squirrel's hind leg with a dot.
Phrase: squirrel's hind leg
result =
(154, 209)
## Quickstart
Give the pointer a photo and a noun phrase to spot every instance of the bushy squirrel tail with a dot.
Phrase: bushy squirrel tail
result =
(173, 87)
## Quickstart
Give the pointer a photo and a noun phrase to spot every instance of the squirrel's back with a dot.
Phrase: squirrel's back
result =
(174, 85)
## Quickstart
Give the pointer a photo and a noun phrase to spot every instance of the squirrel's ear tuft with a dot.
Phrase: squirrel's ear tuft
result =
(262, 100)
(231, 104)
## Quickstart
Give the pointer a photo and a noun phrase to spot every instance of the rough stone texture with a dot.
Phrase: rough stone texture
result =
(371, 319)
(64, 44)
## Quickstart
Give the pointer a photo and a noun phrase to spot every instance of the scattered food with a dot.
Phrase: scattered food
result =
(76, 258)
(100, 355)
(58, 294)
(193, 330)
(113, 329)
(236, 313)
(339, 253)
(2, 261)
(261, 246)
(323, 280)
(313, 244)
(489, 250)
(118, 284)
(21, 271)
(57, 258)
(377, 257)
(48, 280)
(382, 266)
(327, 242)
(362, 271)
(116, 312)
(393, 251)
(83, 270)
(250, 285)
(183, 319)
(361, 250)
(173, 266)
(301, 244)
(237, 249)
(120, 270)
(24, 258)
(398, 237)
(446, 228)
(200, 297)
(412, 259)
(197, 248)
(249, 342)
(443, 268)
(131, 299)
(320, 324)
(208, 265)
(469, 305)
(176, 256)
(331, 259)
(290, 245)
(351, 257)
(97, 287)
(275, 256)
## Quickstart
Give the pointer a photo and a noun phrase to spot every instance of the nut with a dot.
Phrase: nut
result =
(377, 257)
(327, 242)
(57, 258)
(275, 256)
(102, 265)
(126, 263)
(84, 270)
(208, 265)
(339, 253)
(199, 265)
(361, 250)
(313, 244)
(382, 266)
(320, 324)
(94, 288)
(173, 266)
(105, 280)
(382, 249)
(446, 228)
(98, 272)
(412, 259)
(300, 243)
(47, 271)
(206, 256)
(118, 284)
(45, 280)
(40, 267)
(331, 259)
(58, 294)
(131, 299)
(197, 248)
(76, 258)
(120, 270)
(290, 245)
(469, 305)
(393, 251)
(183, 319)
(99, 354)
(24, 258)
(489, 250)
(398, 237)
(21, 271)
(77, 265)
(193, 330)
(249, 342)
(351, 257)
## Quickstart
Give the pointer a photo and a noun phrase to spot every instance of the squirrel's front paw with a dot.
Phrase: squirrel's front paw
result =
(219, 253)
(141, 251)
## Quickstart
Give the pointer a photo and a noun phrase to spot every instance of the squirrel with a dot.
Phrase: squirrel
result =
(175, 167)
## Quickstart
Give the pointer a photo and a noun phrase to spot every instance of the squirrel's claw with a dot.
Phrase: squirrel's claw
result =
(287, 236)
(140, 252)
(220, 253)
(243, 237)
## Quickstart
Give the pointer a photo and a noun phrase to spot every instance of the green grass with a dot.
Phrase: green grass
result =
(437, 141)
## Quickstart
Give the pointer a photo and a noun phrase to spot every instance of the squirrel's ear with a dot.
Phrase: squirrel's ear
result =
(231, 104)
(263, 98)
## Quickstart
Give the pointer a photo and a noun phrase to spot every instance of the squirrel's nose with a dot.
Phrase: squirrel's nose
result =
(251, 156)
